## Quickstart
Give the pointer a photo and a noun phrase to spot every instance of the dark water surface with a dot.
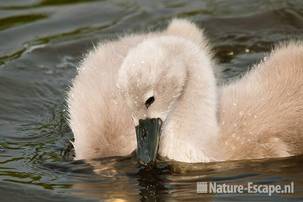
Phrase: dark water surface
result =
(41, 42)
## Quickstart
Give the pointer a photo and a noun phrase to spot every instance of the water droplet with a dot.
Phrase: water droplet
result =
(115, 102)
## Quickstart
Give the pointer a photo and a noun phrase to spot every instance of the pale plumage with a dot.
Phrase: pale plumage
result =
(258, 116)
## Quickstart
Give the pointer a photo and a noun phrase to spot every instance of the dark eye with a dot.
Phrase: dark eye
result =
(149, 101)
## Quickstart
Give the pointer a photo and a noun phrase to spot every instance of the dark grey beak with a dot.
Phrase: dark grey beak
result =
(148, 135)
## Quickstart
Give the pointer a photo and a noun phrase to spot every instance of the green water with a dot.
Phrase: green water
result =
(41, 42)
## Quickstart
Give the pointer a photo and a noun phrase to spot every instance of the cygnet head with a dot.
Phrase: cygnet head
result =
(153, 79)
(153, 76)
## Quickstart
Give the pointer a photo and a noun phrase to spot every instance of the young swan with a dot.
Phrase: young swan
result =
(169, 75)
(259, 116)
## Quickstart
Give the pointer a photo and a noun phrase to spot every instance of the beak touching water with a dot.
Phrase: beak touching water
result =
(148, 135)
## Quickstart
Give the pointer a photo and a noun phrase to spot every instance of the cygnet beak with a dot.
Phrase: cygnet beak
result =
(148, 135)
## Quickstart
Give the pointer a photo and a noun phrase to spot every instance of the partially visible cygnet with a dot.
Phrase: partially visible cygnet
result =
(169, 75)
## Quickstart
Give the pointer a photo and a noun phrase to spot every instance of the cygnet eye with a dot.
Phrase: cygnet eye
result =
(149, 101)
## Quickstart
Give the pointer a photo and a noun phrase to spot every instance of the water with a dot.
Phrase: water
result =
(41, 43)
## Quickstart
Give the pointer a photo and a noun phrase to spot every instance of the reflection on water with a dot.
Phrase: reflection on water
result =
(42, 42)
(175, 181)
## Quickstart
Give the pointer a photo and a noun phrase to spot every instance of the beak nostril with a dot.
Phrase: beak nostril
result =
(149, 101)
(144, 133)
